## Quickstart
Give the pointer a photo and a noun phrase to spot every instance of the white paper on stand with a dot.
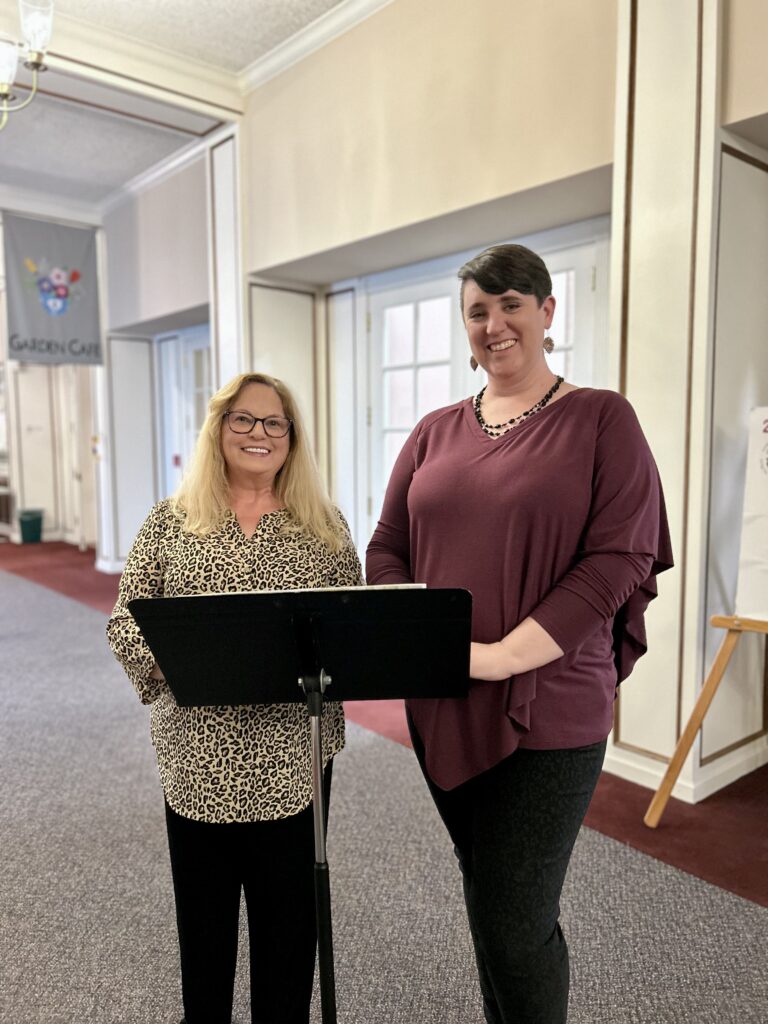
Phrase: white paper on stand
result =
(752, 589)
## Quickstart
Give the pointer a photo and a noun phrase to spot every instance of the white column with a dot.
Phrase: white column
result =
(666, 192)
(225, 263)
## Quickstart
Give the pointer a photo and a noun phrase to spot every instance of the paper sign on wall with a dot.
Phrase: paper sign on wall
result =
(752, 590)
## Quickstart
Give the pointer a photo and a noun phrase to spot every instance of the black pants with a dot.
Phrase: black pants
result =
(273, 863)
(513, 829)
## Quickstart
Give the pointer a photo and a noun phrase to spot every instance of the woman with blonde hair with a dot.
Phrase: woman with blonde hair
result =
(251, 514)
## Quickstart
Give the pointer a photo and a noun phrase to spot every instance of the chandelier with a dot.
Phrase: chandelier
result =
(36, 17)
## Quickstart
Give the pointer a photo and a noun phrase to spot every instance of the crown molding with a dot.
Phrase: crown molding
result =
(154, 175)
(323, 30)
(171, 165)
(39, 204)
(88, 51)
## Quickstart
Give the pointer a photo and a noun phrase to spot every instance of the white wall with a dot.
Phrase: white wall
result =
(157, 249)
(689, 391)
(224, 262)
(740, 383)
(426, 108)
(283, 344)
(346, 433)
(126, 445)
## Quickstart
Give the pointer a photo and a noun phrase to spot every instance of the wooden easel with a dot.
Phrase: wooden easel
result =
(735, 627)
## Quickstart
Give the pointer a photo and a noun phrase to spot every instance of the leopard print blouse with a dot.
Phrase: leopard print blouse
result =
(226, 764)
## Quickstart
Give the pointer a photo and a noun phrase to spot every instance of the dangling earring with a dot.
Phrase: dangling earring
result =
(473, 362)
(548, 344)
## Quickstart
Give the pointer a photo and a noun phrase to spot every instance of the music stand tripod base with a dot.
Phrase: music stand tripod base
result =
(314, 688)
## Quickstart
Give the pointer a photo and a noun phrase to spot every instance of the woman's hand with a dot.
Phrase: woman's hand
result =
(489, 662)
(528, 646)
(157, 673)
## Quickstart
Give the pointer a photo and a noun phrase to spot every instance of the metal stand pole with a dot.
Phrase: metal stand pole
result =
(314, 687)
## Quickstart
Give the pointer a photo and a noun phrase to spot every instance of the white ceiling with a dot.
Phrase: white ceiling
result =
(82, 141)
(228, 34)
(76, 153)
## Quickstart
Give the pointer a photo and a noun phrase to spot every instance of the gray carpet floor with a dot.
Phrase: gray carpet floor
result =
(87, 932)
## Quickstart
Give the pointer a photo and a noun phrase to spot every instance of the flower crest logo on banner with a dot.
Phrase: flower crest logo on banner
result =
(56, 288)
(53, 311)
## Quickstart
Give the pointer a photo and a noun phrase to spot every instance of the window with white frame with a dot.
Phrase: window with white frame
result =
(415, 342)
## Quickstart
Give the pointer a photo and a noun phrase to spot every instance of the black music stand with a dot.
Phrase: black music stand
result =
(365, 643)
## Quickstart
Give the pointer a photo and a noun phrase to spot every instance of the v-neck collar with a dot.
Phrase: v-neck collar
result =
(257, 529)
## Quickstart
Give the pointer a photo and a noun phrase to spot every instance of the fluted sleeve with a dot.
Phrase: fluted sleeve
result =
(624, 546)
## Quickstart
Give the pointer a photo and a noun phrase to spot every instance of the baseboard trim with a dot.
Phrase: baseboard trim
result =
(709, 779)
(728, 769)
(109, 565)
(648, 774)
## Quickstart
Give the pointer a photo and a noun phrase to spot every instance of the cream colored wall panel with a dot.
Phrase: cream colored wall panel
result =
(65, 388)
(226, 306)
(123, 261)
(740, 383)
(86, 462)
(663, 177)
(736, 713)
(427, 107)
(745, 84)
(157, 249)
(75, 430)
(35, 428)
(283, 343)
(133, 437)
(342, 356)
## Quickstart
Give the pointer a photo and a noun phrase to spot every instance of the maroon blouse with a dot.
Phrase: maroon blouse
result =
(561, 519)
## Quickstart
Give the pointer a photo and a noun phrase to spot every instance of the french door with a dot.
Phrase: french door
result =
(418, 362)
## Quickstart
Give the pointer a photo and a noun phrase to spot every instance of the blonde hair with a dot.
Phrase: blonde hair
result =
(204, 495)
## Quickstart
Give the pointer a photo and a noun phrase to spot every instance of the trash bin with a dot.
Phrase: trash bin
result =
(31, 524)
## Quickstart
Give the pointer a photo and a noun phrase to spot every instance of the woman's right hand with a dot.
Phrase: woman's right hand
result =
(489, 662)
(526, 647)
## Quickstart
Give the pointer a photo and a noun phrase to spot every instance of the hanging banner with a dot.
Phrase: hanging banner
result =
(752, 590)
(52, 291)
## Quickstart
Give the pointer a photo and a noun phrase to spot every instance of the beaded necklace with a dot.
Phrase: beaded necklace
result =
(497, 429)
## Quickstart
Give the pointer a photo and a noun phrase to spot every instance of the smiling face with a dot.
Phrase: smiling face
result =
(506, 332)
(254, 457)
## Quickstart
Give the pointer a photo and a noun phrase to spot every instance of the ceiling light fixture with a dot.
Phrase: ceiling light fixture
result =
(36, 17)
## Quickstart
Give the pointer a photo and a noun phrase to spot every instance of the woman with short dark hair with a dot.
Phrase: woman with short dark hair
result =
(542, 499)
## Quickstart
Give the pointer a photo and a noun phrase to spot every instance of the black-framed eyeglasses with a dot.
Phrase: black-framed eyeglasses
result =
(243, 423)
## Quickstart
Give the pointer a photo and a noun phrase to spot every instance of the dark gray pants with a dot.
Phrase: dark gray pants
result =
(513, 829)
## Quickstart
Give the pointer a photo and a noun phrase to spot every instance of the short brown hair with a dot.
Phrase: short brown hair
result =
(504, 267)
